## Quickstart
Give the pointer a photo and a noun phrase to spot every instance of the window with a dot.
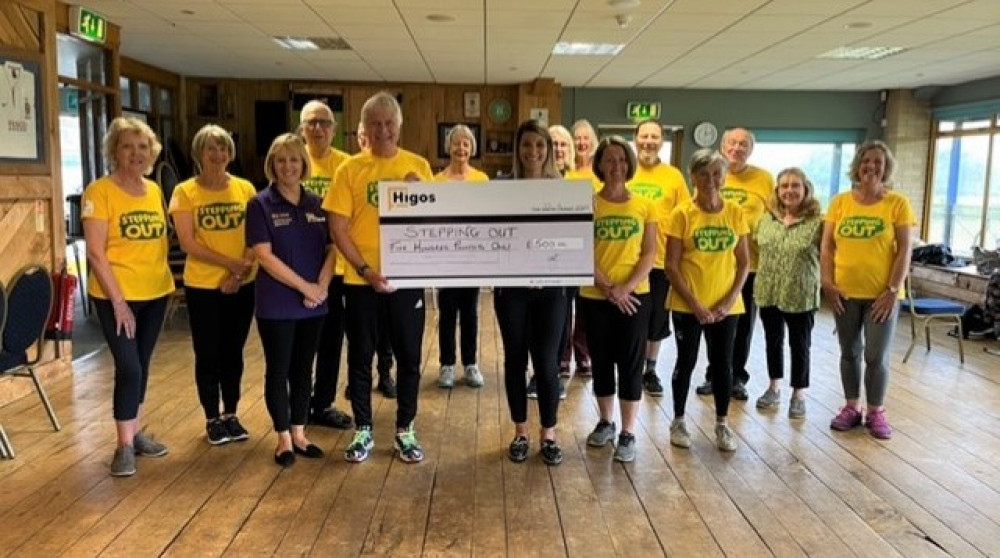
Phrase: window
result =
(824, 155)
(964, 201)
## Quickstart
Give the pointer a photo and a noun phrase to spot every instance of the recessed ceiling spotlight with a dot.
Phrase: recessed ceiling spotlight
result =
(858, 25)
(440, 18)
(624, 4)
(861, 52)
(187, 12)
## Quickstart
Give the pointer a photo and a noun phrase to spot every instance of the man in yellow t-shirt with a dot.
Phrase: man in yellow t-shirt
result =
(317, 126)
(664, 185)
(371, 303)
(748, 187)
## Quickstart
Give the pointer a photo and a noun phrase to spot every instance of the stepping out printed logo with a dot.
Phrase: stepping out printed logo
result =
(713, 239)
(142, 225)
(220, 216)
(861, 227)
(615, 228)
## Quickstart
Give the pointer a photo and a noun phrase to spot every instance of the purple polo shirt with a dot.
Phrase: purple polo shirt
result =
(299, 237)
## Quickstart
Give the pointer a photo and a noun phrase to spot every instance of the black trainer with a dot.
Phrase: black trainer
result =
(651, 383)
(704, 389)
(532, 388)
(333, 418)
(217, 433)
(235, 430)
(387, 388)
(551, 453)
(518, 450)
(740, 391)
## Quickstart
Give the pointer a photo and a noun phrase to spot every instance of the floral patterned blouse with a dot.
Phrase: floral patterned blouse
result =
(788, 272)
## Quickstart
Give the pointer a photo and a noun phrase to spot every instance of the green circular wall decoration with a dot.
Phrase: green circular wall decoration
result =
(500, 110)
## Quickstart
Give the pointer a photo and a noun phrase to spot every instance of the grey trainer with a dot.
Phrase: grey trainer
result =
(725, 438)
(146, 446)
(797, 408)
(473, 377)
(123, 464)
(447, 378)
(625, 450)
(603, 434)
(679, 435)
(770, 400)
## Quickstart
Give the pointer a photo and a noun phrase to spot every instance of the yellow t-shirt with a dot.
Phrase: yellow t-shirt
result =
(354, 195)
(475, 175)
(665, 186)
(137, 242)
(708, 259)
(618, 232)
(585, 174)
(219, 217)
(865, 236)
(323, 170)
(750, 190)
(321, 176)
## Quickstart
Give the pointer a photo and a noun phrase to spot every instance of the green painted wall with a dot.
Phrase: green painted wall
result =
(728, 108)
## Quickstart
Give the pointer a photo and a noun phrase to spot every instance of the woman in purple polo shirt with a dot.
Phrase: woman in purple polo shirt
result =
(288, 232)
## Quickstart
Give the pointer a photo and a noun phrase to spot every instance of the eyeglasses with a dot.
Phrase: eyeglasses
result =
(318, 123)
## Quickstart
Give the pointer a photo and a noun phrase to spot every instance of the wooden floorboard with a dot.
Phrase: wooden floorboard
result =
(793, 488)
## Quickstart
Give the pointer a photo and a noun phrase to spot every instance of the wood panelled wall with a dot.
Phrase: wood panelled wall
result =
(31, 209)
(424, 106)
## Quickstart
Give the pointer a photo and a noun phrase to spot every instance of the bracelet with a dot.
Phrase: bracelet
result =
(362, 269)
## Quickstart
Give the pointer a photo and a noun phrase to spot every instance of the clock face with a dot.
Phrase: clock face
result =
(500, 111)
(705, 134)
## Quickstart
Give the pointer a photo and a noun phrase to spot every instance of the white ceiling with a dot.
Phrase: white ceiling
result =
(710, 44)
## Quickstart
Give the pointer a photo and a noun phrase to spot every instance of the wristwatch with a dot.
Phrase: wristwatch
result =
(361, 269)
(893, 290)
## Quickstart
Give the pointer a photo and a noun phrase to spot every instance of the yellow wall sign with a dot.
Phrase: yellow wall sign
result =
(643, 110)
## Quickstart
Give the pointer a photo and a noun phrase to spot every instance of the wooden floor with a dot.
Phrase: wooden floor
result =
(791, 489)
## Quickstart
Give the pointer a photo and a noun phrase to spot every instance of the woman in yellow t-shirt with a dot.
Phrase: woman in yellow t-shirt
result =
(459, 301)
(617, 307)
(126, 233)
(209, 213)
(864, 257)
(706, 263)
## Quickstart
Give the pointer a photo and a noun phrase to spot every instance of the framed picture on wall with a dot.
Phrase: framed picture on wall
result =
(442, 138)
(208, 101)
(470, 103)
(22, 111)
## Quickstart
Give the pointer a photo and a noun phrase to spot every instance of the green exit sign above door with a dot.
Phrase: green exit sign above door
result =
(88, 25)
(643, 111)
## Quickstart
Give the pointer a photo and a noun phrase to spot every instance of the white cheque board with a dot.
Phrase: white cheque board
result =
(501, 233)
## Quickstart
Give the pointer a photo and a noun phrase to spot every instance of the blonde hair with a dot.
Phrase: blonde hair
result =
(563, 133)
(124, 124)
(585, 124)
(890, 162)
(211, 132)
(291, 142)
(809, 207)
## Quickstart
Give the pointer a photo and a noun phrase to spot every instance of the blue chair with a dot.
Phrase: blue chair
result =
(925, 310)
(28, 302)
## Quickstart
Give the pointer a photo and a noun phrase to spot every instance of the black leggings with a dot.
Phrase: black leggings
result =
(289, 346)
(719, 338)
(800, 326)
(616, 339)
(531, 322)
(219, 326)
(400, 315)
(459, 304)
(131, 356)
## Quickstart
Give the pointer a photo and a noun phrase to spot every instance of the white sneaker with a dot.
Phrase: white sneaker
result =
(447, 378)
(679, 435)
(725, 438)
(473, 378)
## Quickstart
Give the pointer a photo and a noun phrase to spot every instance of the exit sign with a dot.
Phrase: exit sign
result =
(88, 24)
(643, 111)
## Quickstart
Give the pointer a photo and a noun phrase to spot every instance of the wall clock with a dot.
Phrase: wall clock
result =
(705, 134)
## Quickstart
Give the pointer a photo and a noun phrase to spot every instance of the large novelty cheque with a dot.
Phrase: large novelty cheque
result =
(503, 233)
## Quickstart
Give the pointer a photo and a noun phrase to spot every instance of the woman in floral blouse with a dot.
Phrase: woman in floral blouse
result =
(787, 287)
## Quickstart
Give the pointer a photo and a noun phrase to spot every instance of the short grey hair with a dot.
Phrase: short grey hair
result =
(383, 99)
(459, 131)
(704, 158)
(729, 131)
